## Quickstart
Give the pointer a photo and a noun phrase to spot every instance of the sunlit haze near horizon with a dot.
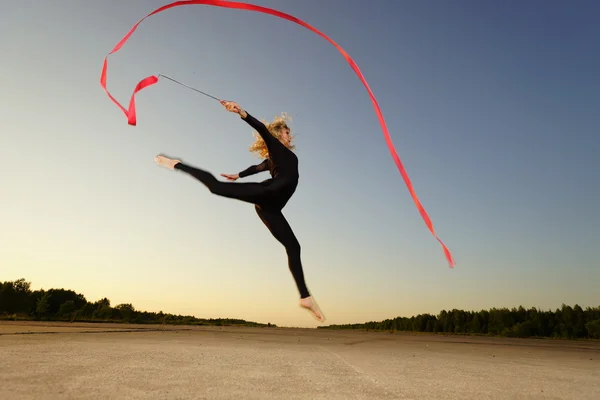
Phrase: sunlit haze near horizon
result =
(493, 107)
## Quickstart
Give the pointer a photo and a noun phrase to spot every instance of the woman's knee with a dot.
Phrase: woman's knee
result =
(293, 248)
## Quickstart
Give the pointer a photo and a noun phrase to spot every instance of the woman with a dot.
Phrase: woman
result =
(269, 197)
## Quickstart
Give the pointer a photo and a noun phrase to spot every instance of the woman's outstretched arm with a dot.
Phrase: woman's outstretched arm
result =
(259, 127)
(253, 122)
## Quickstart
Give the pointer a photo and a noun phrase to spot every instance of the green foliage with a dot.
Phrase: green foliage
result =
(18, 301)
(564, 323)
(593, 328)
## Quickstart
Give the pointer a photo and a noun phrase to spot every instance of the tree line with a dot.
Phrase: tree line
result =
(18, 301)
(563, 323)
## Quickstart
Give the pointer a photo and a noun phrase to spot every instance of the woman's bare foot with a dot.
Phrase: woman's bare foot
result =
(310, 304)
(166, 162)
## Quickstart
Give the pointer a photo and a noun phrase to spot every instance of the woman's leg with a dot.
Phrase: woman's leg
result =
(281, 230)
(249, 192)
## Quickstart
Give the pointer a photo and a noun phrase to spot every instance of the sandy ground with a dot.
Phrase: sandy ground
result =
(105, 361)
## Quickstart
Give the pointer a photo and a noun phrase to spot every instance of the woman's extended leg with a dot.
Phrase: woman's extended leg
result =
(281, 230)
(249, 192)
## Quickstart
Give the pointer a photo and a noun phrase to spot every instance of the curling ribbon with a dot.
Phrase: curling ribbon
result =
(151, 80)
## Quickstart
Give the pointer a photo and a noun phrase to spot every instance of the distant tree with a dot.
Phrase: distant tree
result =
(104, 312)
(127, 312)
(104, 302)
(43, 305)
(67, 309)
(14, 296)
(593, 329)
(57, 297)
(475, 325)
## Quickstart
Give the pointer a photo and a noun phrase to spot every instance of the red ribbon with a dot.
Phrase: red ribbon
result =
(151, 80)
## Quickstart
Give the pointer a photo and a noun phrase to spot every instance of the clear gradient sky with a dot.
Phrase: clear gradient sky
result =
(494, 108)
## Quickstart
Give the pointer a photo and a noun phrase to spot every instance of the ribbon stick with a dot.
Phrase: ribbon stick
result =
(130, 113)
(189, 87)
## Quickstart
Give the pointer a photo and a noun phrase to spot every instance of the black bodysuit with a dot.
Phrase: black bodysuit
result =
(269, 196)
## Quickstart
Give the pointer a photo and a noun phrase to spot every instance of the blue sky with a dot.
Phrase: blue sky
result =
(492, 107)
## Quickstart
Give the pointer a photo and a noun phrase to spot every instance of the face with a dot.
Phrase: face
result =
(285, 135)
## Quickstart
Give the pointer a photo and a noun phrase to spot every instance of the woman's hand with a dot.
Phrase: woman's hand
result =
(232, 106)
(231, 177)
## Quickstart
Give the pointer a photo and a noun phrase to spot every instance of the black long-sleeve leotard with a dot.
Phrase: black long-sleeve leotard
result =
(269, 196)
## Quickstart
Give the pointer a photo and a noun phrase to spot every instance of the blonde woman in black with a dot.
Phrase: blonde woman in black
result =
(273, 143)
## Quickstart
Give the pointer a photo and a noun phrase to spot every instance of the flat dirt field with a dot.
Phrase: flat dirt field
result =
(102, 361)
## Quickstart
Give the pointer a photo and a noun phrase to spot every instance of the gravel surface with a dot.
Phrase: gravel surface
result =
(102, 361)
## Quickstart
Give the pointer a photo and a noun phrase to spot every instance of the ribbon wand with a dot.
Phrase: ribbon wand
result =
(189, 87)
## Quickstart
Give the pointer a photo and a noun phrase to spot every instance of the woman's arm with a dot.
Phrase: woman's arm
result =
(255, 169)
(253, 122)
(259, 127)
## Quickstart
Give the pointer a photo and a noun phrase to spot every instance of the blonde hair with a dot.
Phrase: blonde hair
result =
(259, 147)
